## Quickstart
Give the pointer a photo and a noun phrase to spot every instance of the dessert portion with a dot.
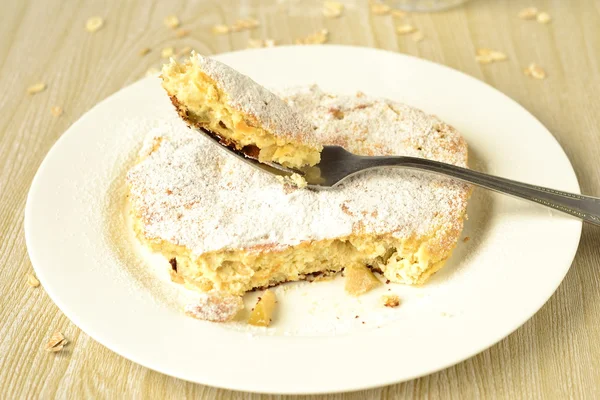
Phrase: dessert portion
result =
(239, 112)
(231, 228)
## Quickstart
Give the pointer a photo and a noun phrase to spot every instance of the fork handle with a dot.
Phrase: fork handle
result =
(586, 208)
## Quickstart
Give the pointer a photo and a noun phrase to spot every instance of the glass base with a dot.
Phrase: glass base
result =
(425, 5)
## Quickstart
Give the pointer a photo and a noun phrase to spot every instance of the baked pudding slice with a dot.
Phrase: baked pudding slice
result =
(241, 113)
(229, 227)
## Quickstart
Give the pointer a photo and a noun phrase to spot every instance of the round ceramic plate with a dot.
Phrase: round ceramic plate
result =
(321, 340)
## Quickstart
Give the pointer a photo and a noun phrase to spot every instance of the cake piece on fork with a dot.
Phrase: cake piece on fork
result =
(241, 113)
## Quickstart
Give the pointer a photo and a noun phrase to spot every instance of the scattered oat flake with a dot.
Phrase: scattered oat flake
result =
(380, 9)
(93, 24)
(56, 338)
(498, 55)
(220, 29)
(487, 55)
(258, 43)
(171, 21)
(182, 33)
(417, 36)
(152, 71)
(544, 18)
(255, 43)
(56, 343)
(38, 87)
(144, 51)
(243, 24)
(332, 9)
(183, 51)
(32, 280)
(535, 71)
(528, 13)
(316, 38)
(57, 112)
(483, 59)
(466, 239)
(405, 29)
(57, 348)
(167, 52)
(398, 13)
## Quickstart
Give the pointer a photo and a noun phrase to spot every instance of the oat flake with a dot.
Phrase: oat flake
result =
(544, 18)
(398, 13)
(171, 21)
(183, 52)
(255, 43)
(418, 36)
(56, 111)
(316, 38)
(487, 56)
(93, 24)
(220, 29)
(56, 343)
(167, 52)
(152, 71)
(405, 29)
(32, 280)
(244, 24)
(332, 9)
(37, 88)
(182, 33)
(535, 71)
(528, 13)
(380, 9)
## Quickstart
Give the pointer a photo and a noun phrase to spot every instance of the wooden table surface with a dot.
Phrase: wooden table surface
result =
(554, 355)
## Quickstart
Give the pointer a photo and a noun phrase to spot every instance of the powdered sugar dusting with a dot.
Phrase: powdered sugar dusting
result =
(374, 126)
(245, 95)
(191, 193)
(215, 306)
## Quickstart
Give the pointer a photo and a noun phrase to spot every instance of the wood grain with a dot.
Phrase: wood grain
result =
(554, 355)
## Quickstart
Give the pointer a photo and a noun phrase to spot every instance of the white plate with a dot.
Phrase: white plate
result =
(96, 273)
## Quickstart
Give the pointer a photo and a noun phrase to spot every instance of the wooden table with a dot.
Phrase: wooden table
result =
(553, 355)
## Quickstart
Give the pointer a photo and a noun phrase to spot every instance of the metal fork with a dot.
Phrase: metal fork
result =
(338, 164)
